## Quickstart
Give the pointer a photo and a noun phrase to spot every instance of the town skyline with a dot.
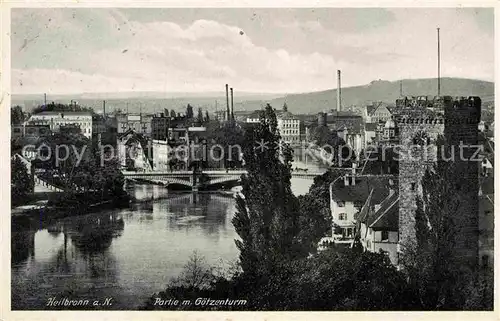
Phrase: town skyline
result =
(255, 50)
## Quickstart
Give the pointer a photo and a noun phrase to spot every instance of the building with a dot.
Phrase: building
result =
(159, 126)
(348, 194)
(133, 151)
(56, 119)
(377, 225)
(348, 125)
(354, 137)
(377, 112)
(140, 123)
(389, 133)
(371, 131)
(26, 129)
(253, 118)
(70, 129)
(289, 127)
(98, 124)
(161, 155)
(420, 122)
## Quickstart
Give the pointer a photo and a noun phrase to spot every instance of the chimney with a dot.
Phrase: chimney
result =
(104, 108)
(45, 99)
(227, 102)
(232, 105)
(339, 103)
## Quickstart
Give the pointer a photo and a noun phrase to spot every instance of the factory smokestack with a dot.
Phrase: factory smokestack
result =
(227, 102)
(45, 99)
(104, 108)
(339, 101)
(232, 105)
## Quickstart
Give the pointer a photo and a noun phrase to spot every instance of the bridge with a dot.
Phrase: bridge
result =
(210, 177)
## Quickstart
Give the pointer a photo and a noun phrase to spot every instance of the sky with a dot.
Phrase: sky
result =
(76, 50)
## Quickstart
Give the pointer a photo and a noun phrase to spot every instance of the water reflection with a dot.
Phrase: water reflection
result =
(125, 254)
(94, 233)
(22, 246)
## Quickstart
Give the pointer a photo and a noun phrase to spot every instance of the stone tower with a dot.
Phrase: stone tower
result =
(421, 120)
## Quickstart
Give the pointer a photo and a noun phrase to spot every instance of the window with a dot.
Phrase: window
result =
(413, 186)
(342, 216)
(487, 212)
(341, 204)
(385, 236)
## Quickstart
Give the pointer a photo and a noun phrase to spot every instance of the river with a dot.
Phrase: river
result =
(126, 254)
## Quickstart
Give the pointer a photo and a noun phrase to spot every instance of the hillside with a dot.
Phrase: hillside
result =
(304, 103)
(380, 90)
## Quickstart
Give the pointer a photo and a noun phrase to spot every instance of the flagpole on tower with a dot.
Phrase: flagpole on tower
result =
(439, 63)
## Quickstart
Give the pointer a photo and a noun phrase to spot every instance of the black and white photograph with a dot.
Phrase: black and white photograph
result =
(251, 158)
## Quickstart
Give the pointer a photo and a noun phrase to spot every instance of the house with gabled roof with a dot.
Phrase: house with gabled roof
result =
(378, 112)
(348, 193)
(377, 225)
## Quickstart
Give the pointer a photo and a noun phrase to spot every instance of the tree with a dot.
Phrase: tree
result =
(341, 154)
(285, 107)
(315, 217)
(61, 107)
(189, 112)
(16, 115)
(231, 137)
(267, 217)
(199, 118)
(430, 262)
(172, 113)
(321, 135)
(21, 184)
(196, 273)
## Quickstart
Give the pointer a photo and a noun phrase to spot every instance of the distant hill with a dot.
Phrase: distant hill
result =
(379, 90)
(147, 102)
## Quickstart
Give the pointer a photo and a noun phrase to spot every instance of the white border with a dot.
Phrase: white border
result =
(5, 101)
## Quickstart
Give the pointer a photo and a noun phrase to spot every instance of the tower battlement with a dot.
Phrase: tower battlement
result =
(456, 119)
(438, 110)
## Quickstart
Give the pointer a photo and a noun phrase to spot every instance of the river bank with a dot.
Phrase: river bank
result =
(128, 262)
(44, 212)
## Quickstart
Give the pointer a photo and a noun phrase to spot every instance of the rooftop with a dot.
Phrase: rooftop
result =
(362, 189)
(386, 217)
(353, 125)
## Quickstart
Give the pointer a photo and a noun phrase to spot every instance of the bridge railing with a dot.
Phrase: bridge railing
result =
(210, 172)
